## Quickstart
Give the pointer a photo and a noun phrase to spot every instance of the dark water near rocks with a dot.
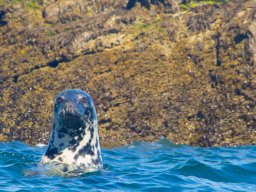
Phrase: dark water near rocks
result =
(158, 166)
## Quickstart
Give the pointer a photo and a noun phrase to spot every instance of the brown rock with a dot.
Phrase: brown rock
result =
(186, 75)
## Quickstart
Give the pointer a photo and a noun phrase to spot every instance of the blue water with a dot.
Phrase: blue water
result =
(157, 166)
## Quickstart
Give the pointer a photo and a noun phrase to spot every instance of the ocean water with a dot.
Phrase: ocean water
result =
(157, 166)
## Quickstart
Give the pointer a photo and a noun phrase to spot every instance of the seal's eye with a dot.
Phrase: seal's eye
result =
(59, 100)
(83, 100)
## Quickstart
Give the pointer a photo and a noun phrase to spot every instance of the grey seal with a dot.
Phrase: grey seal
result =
(74, 140)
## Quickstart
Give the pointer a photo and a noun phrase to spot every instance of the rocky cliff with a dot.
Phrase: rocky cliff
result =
(184, 70)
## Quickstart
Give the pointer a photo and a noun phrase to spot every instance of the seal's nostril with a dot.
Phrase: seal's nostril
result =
(69, 108)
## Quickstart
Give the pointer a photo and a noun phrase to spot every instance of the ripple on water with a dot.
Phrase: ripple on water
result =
(157, 166)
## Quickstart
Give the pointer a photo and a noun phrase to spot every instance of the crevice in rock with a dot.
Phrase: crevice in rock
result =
(200, 115)
(56, 63)
(15, 78)
(105, 121)
(132, 3)
(240, 37)
(240, 92)
(52, 64)
(217, 47)
(2, 22)
(147, 3)
(215, 79)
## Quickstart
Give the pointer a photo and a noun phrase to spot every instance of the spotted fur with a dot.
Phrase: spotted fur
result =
(74, 139)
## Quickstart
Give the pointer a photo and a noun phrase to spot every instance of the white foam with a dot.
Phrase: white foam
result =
(40, 145)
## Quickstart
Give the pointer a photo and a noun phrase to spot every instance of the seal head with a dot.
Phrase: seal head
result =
(74, 136)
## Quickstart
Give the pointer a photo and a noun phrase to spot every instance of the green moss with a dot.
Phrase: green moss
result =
(29, 4)
(33, 4)
(16, 1)
(51, 33)
(193, 4)
(142, 26)
(184, 7)
(4, 2)
(154, 26)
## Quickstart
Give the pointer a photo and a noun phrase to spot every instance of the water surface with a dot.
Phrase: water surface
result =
(157, 166)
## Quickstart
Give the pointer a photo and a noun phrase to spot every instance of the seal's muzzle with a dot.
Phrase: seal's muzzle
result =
(69, 108)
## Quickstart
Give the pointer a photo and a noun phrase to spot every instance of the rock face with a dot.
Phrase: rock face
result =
(180, 69)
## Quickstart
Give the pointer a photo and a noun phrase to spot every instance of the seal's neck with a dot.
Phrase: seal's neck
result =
(78, 146)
